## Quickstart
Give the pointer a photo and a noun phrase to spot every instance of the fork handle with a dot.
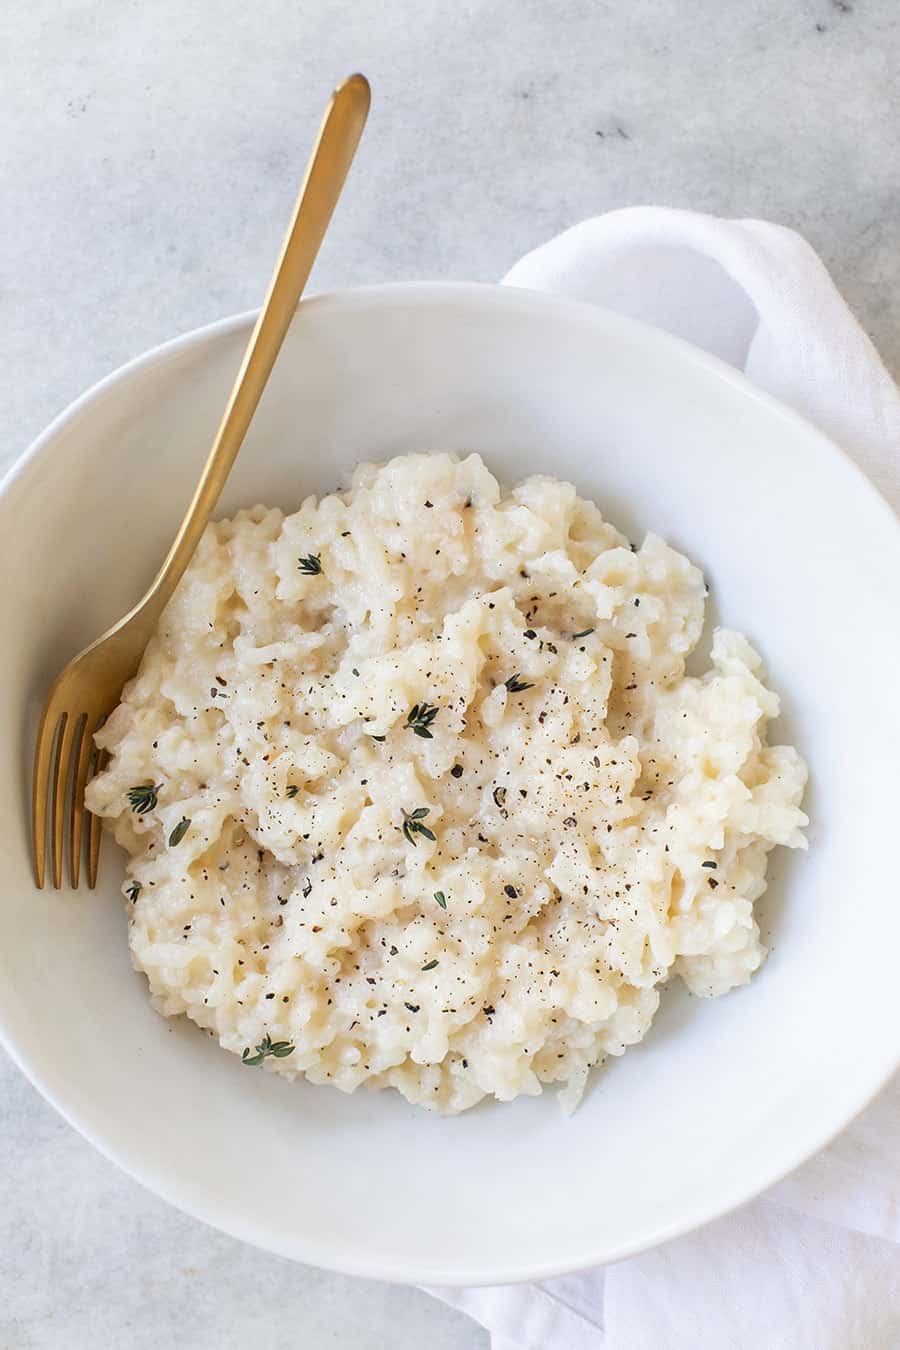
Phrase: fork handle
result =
(326, 171)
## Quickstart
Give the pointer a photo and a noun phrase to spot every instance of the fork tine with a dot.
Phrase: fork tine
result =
(94, 830)
(60, 783)
(43, 760)
(81, 751)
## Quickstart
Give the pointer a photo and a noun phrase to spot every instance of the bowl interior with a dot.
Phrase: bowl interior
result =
(724, 1096)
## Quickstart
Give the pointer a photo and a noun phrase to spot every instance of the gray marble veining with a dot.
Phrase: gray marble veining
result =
(149, 157)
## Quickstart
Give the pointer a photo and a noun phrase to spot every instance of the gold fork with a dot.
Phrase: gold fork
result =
(90, 686)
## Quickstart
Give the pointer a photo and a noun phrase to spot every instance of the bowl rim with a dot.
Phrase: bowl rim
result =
(303, 1248)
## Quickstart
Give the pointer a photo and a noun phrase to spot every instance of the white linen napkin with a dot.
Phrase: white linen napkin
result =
(815, 1263)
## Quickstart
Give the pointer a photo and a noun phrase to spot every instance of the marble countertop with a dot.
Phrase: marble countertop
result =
(149, 158)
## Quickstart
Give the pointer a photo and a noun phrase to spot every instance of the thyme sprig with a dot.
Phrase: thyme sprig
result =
(143, 797)
(515, 685)
(420, 718)
(412, 825)
(311, 565)
(266, 1048)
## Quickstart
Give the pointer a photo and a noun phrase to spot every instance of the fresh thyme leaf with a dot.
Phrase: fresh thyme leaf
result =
(412, 825)
(307, 889)
(708, 864)
(420, 718)
(292, 789)
(441, 898)
(378, 738)
(515, 685)
(584, 633)
(431, 965)
(133, 891)
(179, 831)
(267, 1047)
(311, 565)
(143, 798)
(261, 1051)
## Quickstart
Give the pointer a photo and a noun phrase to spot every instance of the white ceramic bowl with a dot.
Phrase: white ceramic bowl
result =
(723, 1097)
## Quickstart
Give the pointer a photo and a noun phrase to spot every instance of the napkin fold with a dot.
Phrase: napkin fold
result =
(814, 1264)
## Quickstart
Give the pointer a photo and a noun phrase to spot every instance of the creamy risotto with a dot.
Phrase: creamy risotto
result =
(416, 792)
